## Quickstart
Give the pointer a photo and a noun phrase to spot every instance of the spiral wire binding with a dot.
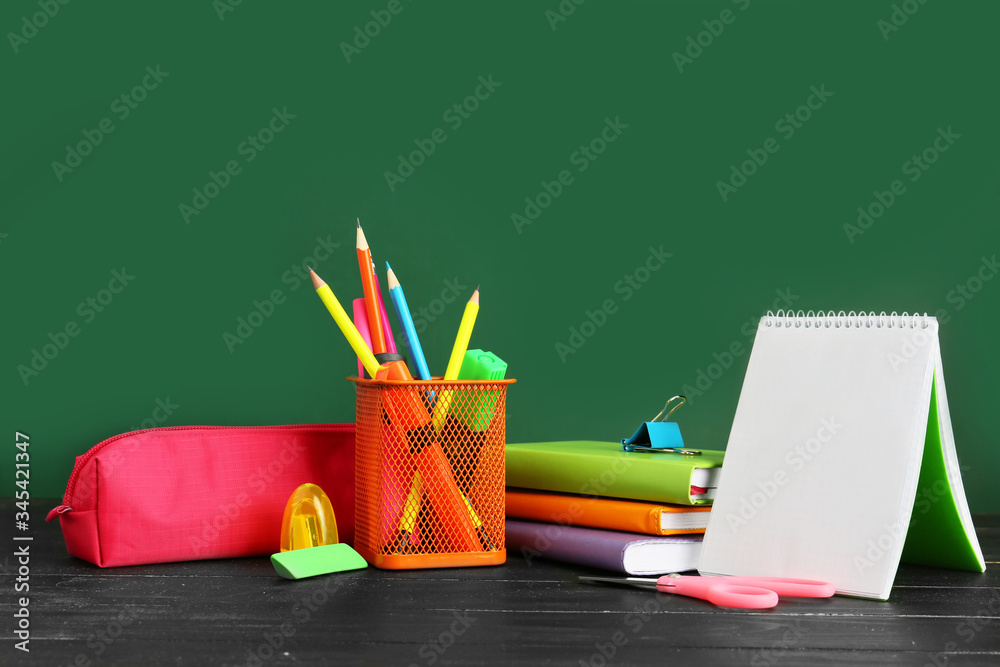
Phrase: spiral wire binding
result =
(866, 320)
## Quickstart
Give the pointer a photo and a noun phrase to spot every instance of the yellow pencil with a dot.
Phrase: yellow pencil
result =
(346, 325)
(462, 340)
(443, 403)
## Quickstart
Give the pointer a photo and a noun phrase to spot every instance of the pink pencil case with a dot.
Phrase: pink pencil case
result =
(197, 492)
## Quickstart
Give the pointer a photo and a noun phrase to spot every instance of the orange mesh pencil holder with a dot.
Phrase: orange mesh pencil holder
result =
(429, 485)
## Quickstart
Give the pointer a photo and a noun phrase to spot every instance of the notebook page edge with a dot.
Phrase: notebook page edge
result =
(909, 495)
(951, 456)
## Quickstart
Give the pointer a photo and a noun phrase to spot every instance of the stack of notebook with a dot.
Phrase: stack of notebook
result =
(593, 504)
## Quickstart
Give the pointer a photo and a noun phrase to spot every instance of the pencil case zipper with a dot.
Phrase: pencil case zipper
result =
(81, 461)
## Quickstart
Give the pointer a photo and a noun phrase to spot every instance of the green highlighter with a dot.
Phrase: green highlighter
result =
(481, 365)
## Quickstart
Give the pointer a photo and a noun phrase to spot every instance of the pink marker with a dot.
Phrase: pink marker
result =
(361, 322)
(390, 342)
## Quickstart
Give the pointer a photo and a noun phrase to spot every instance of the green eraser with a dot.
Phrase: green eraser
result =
(481, 365)
(314, 561)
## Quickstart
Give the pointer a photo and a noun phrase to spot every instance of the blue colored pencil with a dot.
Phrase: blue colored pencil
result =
(406, 321)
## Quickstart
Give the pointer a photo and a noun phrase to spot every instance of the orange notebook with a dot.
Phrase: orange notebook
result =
(608, 513)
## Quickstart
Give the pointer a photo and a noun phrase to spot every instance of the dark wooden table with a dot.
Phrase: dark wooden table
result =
(237, 612)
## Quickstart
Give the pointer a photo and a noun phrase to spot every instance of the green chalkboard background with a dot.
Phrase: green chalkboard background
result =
(891, 80)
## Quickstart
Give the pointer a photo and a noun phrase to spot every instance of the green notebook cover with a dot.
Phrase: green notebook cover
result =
(603, 469)
(936, 519)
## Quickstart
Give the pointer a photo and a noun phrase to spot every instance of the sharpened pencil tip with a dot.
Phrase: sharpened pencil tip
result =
(362, 243)
(359, 223)
(317, 281)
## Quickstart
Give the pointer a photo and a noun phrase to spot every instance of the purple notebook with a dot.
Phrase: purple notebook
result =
(630, 553)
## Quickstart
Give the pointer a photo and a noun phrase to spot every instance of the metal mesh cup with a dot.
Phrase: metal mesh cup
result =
(429, 485)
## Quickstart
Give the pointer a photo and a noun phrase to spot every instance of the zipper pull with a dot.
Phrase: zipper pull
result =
(55, 511)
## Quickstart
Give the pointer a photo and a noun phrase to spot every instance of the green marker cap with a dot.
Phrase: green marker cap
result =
(481, 365)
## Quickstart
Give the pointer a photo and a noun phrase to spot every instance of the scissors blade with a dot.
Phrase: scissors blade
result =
(638, 582)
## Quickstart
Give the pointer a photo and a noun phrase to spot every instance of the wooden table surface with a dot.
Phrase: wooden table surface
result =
(238, 612)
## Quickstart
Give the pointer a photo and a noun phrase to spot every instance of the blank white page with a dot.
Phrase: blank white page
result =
(823, 458)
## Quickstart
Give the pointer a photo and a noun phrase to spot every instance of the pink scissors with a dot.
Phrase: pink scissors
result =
(739, 592)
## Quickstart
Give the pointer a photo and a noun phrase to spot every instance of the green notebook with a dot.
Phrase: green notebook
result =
(603, 469)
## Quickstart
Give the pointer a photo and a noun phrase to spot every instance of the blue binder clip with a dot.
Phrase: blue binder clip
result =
(660, 436)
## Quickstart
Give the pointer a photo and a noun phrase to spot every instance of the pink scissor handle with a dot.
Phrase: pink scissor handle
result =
(796, 588)
(719, 591)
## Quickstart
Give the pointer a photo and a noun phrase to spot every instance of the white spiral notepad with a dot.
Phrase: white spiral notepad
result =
(826, 474)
